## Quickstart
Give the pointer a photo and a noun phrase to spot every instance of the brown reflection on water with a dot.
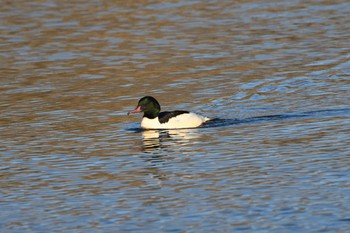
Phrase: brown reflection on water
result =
(77, 67)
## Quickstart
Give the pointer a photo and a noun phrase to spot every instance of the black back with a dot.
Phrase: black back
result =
(165, 116)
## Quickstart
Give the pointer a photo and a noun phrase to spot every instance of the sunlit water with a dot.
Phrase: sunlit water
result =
(273, 74)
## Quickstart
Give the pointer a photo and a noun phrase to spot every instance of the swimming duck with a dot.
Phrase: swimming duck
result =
(154, 119)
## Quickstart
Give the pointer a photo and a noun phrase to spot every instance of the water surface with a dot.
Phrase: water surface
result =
(275, 73)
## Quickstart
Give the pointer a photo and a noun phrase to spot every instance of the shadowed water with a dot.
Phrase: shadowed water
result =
(273, 76)
(217, 122)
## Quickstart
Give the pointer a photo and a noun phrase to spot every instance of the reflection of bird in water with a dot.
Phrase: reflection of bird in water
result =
(154, 119)
(159, 144)
(151, 140)
(155, 139)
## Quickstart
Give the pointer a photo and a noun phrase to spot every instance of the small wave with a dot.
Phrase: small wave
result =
(218, 122)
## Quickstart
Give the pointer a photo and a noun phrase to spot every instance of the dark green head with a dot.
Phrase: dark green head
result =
(149, 106)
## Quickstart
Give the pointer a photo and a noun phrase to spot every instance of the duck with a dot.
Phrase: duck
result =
(153, 118)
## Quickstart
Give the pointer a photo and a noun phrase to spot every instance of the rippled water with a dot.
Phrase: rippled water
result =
(274, 73)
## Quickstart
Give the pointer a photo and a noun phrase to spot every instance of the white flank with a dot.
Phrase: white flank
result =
(186, 120)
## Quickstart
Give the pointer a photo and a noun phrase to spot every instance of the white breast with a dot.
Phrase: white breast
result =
(186, 120)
